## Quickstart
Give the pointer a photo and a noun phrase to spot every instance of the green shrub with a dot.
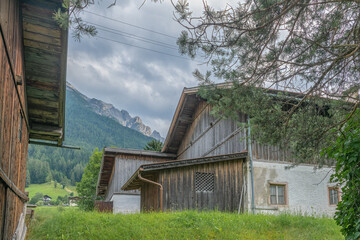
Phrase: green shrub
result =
(38, 196)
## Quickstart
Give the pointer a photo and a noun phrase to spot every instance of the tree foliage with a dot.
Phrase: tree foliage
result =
(305, 46)
(308, 47)
(311, 51)
(154, 145)
(87, 187)
(69, 16)
(36, 198)
(346, 152)
(27, 179)
(306, 133)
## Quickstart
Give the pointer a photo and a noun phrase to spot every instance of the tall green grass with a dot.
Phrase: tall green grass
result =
(60, 223)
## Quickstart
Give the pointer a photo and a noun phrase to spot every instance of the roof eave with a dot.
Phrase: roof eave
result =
(154, 167)
(44, 39)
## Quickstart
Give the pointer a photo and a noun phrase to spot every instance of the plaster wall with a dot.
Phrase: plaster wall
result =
(307, 188)
(126, 203)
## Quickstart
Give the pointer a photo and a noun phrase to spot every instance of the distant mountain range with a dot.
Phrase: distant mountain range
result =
(89, 124)
(122, 116)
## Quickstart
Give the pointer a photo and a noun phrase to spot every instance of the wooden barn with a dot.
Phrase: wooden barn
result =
(212, 163)
(208, 183)
(117, 167)
(33, 53)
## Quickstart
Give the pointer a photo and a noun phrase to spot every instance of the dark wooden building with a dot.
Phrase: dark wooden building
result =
(208, 183)
(33, 52)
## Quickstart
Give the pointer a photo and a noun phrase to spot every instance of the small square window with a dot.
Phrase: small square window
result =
(333, 195)
(278, 194)
(204, 182)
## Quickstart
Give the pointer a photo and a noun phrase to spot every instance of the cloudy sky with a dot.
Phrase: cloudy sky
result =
(143, 82)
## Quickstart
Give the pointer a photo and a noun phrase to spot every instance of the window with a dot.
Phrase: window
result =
(204, 182)
(278, 194)
(333, 195)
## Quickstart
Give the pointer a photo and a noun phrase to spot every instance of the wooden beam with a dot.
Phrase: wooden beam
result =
(12, 186)
(54, 145)
(117, 151)
(46, 129)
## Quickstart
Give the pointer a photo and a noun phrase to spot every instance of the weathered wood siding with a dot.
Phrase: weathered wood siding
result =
(45, 54)
(179, 187)
(13, 140)
(270, 153)
(150, 195)
(123, 169)
(209, 136)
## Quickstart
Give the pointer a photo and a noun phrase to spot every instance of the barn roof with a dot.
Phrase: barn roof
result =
(184, 114)
(45, 56)
(148, 169)
(108, 160)
(182, 119)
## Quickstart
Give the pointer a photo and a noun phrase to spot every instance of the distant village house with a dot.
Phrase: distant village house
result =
(46, 199)
(73, 201)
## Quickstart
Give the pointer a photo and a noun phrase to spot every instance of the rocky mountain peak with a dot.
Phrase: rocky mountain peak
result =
(122, 116)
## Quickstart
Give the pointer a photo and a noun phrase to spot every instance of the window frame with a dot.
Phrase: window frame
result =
(283, 184)
(338, 195)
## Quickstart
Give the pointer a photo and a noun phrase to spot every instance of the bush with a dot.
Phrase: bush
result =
(36, 198)
(40, 203)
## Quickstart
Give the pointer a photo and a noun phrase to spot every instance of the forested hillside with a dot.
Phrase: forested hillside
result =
(85, 129)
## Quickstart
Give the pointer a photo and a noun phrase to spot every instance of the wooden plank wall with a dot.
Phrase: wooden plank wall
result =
(103, 206)
(13, 148)
(124, 168)
(209, 136)
(149, 200)
(179, 187)
(270, 153)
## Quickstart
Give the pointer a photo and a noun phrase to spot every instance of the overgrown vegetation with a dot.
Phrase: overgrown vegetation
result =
(346, 152)
(76, 224)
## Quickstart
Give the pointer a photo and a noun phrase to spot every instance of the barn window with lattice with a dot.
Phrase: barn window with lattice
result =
(204, 182)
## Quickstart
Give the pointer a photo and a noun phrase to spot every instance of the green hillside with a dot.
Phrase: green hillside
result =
(85, 129)
(50, 190)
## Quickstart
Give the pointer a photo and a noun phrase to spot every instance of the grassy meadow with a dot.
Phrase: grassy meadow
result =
(71, 223)
(49, 189)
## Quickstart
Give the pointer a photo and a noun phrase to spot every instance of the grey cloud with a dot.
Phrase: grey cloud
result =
(144, 83)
